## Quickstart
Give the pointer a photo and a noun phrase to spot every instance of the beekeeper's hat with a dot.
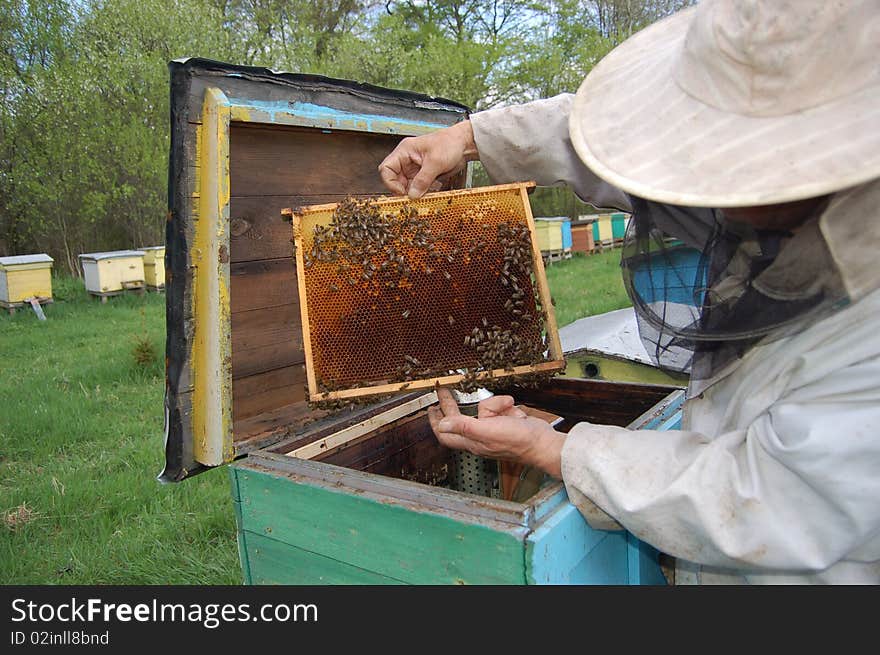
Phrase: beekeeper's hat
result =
(738, 103)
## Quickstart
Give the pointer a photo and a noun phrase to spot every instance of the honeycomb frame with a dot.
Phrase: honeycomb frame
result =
(418, 294)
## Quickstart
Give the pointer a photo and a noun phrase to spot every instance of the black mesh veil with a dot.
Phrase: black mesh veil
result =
(705, 290)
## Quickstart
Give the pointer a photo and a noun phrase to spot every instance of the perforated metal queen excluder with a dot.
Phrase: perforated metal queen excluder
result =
(398, 294)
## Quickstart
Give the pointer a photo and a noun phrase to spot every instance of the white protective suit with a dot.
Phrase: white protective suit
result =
(775, 477)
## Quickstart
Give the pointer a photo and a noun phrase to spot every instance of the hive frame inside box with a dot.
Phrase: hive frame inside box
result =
(555, 361)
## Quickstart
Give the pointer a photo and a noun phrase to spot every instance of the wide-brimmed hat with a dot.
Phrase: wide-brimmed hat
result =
(738, 103)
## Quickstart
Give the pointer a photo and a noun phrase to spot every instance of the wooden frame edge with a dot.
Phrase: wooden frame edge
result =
(304, 306)
(390, 200)
(543, 287)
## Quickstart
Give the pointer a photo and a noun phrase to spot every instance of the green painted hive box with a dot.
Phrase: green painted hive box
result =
(351, 496)
(381, 509)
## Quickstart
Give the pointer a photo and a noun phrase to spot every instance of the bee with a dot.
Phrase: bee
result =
(450, 319)
(333, 287)
(447, 275)
(405, 313)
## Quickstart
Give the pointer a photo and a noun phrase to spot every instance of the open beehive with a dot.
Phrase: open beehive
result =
(399, 294)
(363, 493)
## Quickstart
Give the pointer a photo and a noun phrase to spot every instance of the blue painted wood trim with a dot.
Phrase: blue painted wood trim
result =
(565, 550)
(643, 562)
(304, 114)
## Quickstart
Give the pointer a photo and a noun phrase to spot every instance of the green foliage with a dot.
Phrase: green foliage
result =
(84, 130)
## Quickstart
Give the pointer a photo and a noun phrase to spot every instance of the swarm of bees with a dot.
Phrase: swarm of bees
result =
(402, 294)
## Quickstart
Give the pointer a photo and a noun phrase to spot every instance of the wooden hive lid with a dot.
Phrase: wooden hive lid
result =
(113, 254)
(18, 260)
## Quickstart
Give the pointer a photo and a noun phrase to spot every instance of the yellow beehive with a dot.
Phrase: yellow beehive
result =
(605, 231)
(154, 266)
(25, 276)
(113, 272)
(549, 234)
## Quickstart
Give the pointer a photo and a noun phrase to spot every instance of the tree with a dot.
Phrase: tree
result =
(84, 131)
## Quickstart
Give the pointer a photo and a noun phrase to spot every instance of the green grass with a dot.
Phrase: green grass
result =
(81, 442)
(586, 285)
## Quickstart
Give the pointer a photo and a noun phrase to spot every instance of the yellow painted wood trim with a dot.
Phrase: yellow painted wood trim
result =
(211, 355)
(555, 344)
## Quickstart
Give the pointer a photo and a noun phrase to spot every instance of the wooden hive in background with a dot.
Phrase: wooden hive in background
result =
(154, 267)
(110, 273)
(23, 277)
(582, 235)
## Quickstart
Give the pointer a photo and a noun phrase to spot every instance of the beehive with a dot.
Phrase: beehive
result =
(113, 272)
(566, 234)
(25, 276)
(602, 231)
(402, 294)
(582, 236)
(549, 234)
(154, 266)
(246, 143)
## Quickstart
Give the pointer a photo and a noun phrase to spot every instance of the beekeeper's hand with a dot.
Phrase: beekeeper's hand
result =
(423, 163)
(501, 431)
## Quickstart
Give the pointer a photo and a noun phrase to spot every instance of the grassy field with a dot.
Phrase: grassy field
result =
(586, 285)
(81, 442)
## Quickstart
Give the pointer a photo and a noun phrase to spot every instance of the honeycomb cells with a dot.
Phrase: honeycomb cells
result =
(400, 290)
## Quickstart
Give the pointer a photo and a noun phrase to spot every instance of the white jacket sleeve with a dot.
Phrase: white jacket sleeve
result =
(531, 142)
(796, 490)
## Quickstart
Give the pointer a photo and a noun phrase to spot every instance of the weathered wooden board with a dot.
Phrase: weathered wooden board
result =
(282, 161)
(265, 339)
(267, 391)
(611, 403)
(385, 537)
(246, 84)
(256, 228)
(262, 283)
(406, 449)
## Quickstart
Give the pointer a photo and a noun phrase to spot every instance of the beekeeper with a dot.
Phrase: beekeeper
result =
(751, 132)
